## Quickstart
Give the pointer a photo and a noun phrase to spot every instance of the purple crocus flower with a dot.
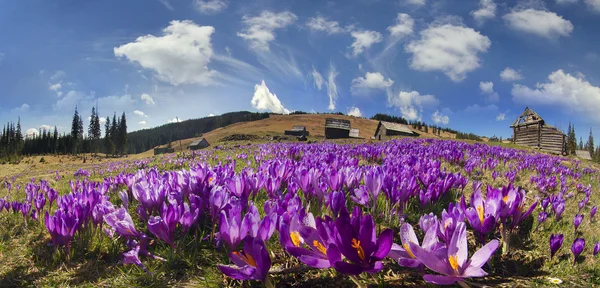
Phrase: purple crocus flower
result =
(577, 220)
(577, 248)
(454, 265)
(309, 241)
(593, 212)
(482, 214)
(252, 263)
(356, 239)
(596, 248)
(559, 208)
(121, 221)
(374, 182)
(541, 218)
(556, 241)
(404, 255)
(61, 226)
(232, 228)
(164, 226)
(132, 257)
(124, 198)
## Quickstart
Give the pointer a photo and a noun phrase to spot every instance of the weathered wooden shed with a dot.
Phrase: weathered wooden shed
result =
(531, 130)
(583, 154)
(386, 130)
(158, 151)
(337, 128)
(198, 144)
(297, 131)
(354, 133)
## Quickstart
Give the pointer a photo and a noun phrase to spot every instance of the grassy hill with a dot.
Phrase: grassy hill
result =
(277, 124)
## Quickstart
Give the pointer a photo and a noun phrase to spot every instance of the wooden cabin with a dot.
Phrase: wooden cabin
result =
(531, 130)
(386, 130)
(198, 144)
(583, 154)
(297, 131)
(354, 133)
(337, 128)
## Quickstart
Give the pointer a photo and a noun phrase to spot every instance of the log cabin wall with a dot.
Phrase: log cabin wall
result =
(539, 136)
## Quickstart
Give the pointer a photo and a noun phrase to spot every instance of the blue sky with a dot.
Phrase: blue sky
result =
(470, 65)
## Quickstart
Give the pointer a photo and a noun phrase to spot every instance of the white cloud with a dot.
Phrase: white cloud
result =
(403, 27)
(363, 40)
(58, 75)
(564, 2)
(332, 87)
(166, 4)
(540, 23)
(487, 10)
(211, 115)
(260, 30)
(143, 123)
(439, 118)
(454, 50)
(180, 56)
(318, 78)
(501, 117)
(46, 127)
(139, 113)
(21, 109)
(509, 74)
(210, 6)
(410, 103)
(263, 99)
(55, 87)
(475, 108)
(593, 4)
(487, 89)
(354, 111)
(562, 90)
(361, 85)
(148, 99)
(31, 132)
(415, 2)
(175, 120)
(321, 24)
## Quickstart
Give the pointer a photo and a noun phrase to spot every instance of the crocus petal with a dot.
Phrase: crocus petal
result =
(430, 260)
(384, 244)
(483, 254)
(441, 280)
(473, 271)
(348, 268)
(407, 234)
(458, 244)
(315, 262)
(241, 273)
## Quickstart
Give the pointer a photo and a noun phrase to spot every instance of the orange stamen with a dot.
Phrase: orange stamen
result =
(320, 247)
(295, 236)
(480, 213)
(246, 258)
(408, 251)
(359, 249)
(453, 263)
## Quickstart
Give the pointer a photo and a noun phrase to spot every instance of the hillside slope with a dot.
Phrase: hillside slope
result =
(277, 124)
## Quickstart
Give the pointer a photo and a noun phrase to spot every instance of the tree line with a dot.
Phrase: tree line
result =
(588, 146)
(13, 144)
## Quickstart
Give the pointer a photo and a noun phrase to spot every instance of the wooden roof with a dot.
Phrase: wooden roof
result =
(528, 117)
(197, 142)
(396, 127)
(583, 154)
(337, 123)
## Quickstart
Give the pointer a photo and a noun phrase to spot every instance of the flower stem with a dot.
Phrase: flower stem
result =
(356, 281)
(269, 282)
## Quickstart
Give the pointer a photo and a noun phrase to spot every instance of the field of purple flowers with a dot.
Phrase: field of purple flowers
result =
(399, 213)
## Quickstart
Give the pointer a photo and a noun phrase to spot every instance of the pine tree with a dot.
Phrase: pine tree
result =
(114, 135)
(55, 141)
(573, 140)
(580, 147)
(590, 143)
(108, 145)
(19, 137)
(75, 131)
(91, 128)
(123, 134)
(426, 129)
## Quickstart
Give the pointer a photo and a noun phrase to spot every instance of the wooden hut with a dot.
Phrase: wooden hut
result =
(297, 131)
(531, 130)
(354, 133)
(198, 144)
(337, 128)
(583, 154)
(386, 130)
